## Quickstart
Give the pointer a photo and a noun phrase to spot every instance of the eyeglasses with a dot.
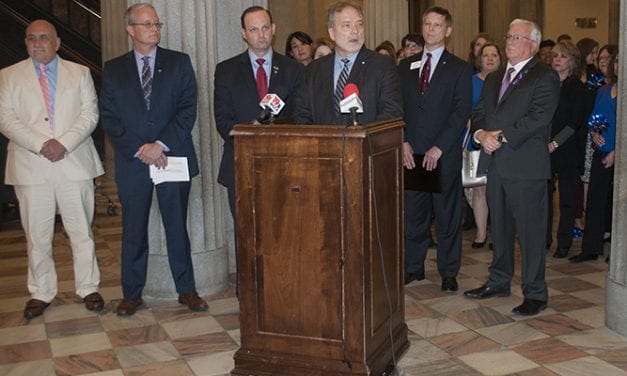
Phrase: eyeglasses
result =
(149, 25)
(516, 37)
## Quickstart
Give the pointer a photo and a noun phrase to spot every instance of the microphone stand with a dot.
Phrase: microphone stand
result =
(353, 111)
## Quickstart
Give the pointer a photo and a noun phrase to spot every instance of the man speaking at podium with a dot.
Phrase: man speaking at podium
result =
(318, 99)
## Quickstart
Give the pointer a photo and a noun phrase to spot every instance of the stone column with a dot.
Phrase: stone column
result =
(616, 285)
(465, 24)
(385, 20)
(114, 43)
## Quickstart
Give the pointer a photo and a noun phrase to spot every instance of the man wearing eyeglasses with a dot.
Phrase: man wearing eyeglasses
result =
(148, 109)
(512, 123)
(48, 110)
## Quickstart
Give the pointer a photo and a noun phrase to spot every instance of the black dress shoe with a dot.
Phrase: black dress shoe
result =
(561, 252)
(582, 257)
(529, 307)
(409, 277)
(477, 245)
(449, 284)
(484, 292)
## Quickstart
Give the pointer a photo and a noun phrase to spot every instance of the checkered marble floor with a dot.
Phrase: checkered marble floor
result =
(450, 335)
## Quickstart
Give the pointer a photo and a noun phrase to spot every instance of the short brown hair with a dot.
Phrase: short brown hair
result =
(448, 19)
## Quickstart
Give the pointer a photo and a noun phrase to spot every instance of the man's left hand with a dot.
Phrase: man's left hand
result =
(430, 160)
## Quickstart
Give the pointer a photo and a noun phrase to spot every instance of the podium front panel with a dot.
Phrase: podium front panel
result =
(310, 258)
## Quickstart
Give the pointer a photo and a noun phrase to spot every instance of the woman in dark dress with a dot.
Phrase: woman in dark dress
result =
(570, 116)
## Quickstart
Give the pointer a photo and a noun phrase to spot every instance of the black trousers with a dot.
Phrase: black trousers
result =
(567, 179)
(599, 207)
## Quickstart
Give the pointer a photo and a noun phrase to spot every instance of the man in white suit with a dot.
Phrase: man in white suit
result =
(48, 110)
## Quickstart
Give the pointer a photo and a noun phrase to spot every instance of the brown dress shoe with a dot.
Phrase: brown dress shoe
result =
(128, 307)
(94, 302)
(34, 308)
(193, 301)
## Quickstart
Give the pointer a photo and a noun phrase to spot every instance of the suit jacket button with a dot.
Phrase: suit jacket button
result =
(45, 119)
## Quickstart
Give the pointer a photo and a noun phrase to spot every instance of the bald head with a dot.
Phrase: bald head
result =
(42, 41)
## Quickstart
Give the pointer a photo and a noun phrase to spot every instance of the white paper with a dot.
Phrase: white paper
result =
(415, 65)
(176, 170)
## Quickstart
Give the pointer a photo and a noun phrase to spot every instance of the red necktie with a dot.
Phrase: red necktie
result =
(45, 89)
(262, 79)
(426, 72)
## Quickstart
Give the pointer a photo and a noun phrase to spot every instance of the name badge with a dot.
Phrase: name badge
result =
(415, 65)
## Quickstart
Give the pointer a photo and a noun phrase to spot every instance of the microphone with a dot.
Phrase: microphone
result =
(272, 105)
(351, 104)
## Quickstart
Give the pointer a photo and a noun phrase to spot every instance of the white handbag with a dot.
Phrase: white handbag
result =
(470, 162)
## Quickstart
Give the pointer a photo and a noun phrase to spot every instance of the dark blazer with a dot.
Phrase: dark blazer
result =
(374, 75)
(235, 99)
(438, 117)
(170, 120)
(570, 117)
(524, 115)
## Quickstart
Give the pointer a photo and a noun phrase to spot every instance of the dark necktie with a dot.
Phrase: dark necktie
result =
(507, 79)
(262, 79)
(341, 83)
(425, 74)
(146, 81)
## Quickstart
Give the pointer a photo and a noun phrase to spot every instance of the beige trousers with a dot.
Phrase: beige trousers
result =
(38, 206)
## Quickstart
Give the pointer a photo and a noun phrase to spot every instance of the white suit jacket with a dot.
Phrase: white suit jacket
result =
(24, 121)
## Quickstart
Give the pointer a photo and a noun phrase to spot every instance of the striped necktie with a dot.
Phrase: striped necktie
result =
(45, 89)
(146, 81)
(341, 83)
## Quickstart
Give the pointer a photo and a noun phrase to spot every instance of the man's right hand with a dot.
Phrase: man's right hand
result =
(489, 140)
(408, 156)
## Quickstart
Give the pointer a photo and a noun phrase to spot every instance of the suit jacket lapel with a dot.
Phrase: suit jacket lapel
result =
(248, 79)
(157, 81)
(440, 69)
(358, 66)
(132, 75)
(516, 80)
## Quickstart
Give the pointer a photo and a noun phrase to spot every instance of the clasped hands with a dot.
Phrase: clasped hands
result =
(152, 154)
(489, 140)
(53, 150)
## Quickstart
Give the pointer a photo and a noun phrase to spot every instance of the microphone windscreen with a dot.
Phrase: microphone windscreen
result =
(350, 89)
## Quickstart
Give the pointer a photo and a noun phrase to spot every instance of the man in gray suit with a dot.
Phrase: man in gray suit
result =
(512, 123)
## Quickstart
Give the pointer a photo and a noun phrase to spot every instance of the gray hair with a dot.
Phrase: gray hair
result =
(535, 35)
(128, 15)
(340, 6)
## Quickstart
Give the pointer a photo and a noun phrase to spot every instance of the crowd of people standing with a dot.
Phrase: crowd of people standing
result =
(542, 113)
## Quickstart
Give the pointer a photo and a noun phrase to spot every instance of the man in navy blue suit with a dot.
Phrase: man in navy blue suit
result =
(239, 87)
(148, 109)
(437, 93)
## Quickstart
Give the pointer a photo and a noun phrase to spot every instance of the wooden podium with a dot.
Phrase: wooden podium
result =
(314, 246)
